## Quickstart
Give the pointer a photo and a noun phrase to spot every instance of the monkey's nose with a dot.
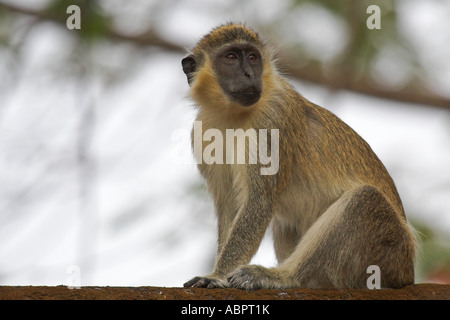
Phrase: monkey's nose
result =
(248, 72)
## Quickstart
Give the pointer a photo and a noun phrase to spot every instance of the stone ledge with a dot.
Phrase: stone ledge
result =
(425, 291)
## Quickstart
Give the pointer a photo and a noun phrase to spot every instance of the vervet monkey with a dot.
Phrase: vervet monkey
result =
(333, 206)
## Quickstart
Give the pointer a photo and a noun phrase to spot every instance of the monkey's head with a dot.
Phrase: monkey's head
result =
(227, 66)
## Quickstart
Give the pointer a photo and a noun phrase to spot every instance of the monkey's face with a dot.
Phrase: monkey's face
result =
(239, 71)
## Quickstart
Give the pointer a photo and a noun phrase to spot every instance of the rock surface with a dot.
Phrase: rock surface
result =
(426, 291)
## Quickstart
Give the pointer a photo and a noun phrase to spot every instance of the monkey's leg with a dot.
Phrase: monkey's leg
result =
(358, 230)
(285, 240)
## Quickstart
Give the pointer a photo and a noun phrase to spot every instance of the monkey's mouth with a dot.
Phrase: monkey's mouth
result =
(247, 97)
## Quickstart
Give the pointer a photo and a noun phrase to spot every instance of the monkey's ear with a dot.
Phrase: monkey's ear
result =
(189, 67)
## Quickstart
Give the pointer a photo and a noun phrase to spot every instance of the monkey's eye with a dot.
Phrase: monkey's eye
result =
(231, 56)
(252, 57)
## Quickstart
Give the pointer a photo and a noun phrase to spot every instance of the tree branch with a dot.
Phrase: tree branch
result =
(342, 81)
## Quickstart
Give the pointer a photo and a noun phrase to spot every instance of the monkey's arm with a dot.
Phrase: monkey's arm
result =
(246, 233)
(243, 240)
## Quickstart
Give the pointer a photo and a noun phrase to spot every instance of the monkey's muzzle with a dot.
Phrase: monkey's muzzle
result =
(247, 97)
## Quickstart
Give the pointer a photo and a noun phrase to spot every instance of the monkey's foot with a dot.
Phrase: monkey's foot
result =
(206, 282)
(253, 277)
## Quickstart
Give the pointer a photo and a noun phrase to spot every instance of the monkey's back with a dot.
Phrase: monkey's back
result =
(329, 157)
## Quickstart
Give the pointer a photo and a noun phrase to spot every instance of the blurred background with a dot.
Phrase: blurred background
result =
(95, 163)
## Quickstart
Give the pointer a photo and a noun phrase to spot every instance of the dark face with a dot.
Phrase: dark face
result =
(239, 71)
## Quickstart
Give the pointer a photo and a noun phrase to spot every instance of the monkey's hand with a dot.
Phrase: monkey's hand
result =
(209, 282)
(253, 277)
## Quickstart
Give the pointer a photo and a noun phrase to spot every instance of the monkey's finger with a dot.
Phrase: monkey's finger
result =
(198, 282)
(192, 282)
